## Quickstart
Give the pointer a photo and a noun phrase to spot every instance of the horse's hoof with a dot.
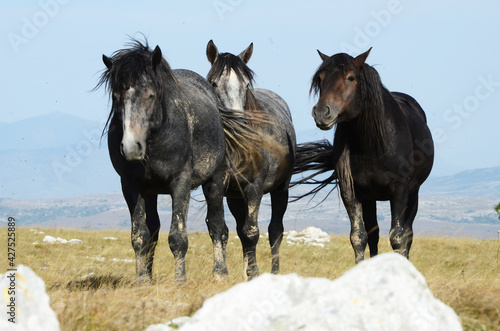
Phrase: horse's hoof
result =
(220, 274)
(142, 280)
(220, 277)
(251, 273)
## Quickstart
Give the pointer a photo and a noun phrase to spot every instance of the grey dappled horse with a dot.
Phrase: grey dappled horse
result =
(165, 136)
(273, 161)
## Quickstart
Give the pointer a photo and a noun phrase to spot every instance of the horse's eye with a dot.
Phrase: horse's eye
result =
(214, 84)
(351, 78)
(151, 96)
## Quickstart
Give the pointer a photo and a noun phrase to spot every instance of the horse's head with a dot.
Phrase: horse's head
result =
(230, 76)
(337, 82)
(136, 94)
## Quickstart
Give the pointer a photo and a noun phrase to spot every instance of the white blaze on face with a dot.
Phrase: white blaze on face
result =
(132, 144)
(232, 91)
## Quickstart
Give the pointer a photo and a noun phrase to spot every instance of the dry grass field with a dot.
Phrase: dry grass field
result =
(91, 284)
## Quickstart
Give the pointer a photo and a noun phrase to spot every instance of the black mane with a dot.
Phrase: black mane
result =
(337, 61)
(131, 65)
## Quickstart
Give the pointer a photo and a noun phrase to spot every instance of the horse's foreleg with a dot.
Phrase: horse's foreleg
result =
(358, 235)
(248, 231)
(145, 226)
(398, 235)
(371, 225)
(411, 212)
(216, 224)
(279, 203)
(153, 225)
(177, 238)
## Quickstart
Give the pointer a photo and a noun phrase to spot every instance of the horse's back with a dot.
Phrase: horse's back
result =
(423, 144)
(278, 113)
(202, 106)
(282, 132)
(414, 114)
(199, 85)
(410, 106)
(275, 105)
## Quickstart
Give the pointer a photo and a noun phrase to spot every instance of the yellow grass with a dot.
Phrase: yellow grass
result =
(463, 273)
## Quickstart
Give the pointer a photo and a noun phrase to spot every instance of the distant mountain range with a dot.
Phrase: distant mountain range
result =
(483, 183)
(54, 156)
(441, 216)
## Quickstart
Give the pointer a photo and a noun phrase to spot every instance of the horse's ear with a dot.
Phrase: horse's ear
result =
(246, 54)
(212, 52)
(107, 61)
(361, 58)
(156, 57)
(323, 57)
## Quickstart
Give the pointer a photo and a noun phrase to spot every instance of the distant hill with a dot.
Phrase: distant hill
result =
(54, 156)
(448, 216)
(483, 183)
(48, 131)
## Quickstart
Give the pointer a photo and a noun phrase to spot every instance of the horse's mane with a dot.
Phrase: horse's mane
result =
(336, 61)
(370, 122)
(131, 65)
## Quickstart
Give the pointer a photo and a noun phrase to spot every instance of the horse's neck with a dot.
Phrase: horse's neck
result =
(174, 112)
(370, 130)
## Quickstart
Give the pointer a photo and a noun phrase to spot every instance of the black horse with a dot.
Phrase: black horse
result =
(272, 158)
(382, 149)
(165, 136)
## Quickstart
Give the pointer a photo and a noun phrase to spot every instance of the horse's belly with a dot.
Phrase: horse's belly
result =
(371, 190)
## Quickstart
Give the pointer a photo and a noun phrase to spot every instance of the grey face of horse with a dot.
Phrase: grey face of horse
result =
(229, 86)
(137, 103)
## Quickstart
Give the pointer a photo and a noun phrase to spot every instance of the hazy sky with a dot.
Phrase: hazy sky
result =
(443, 53)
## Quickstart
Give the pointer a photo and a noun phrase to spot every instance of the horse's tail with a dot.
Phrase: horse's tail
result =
(315, 158)
(245, 143)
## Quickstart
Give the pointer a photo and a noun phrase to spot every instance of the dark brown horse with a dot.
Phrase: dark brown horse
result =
(273, 155)
(382, 149)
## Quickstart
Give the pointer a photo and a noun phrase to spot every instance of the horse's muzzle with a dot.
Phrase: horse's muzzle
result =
(323, 117)
(132, 151)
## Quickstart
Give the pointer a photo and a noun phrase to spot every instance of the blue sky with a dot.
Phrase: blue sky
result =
(445, 54)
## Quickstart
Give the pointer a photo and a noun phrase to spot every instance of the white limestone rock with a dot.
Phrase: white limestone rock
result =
(382, 293)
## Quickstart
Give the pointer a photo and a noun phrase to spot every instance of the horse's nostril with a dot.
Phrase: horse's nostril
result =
(328, 113)
(139, 147)
(121, 148)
